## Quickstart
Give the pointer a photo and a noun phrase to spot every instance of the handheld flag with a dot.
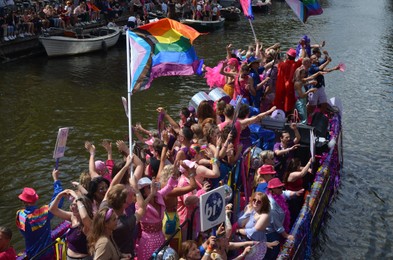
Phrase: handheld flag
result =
(305, 8)
(247, 9)
(161, 48)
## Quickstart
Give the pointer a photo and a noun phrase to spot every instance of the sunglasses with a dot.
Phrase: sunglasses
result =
(258, 202)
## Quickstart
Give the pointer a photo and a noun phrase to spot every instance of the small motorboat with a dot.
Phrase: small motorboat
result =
(80, 41)
(205, 26)
(231, 13)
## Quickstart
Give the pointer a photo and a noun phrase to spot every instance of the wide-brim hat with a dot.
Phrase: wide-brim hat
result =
(291, 52)
(275, 183)
(143, 182)
(253, 60)
(28, 195)
(266, 169)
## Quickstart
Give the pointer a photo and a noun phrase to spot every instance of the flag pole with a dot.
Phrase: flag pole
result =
(129, 90)
(253, 31)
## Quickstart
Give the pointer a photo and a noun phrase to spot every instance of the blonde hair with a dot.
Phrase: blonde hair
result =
(166, 174)
(85, 179)
(266, 154)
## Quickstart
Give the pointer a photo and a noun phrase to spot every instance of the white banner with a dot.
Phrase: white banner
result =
(60, 143)
(212, 208)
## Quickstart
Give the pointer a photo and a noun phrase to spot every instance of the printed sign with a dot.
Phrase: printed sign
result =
(212, 208)
(60, 143)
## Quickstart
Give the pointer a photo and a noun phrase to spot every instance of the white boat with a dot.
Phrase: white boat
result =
(205, 26)
(80, 41)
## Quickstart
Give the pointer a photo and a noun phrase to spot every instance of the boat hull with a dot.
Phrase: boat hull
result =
(205, 26)
(65, 46)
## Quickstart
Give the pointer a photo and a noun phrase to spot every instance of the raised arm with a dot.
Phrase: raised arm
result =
(229, 51)
(297, 138)
(225, 73)
(92, 167)
(252, 120)
(172, 122)
(108, 147)
(293, 176)
(54, 207)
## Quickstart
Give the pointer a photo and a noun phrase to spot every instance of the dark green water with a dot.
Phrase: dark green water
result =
(40, 95)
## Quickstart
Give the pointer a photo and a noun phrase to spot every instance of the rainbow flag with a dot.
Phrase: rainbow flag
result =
(305, 8)
(247, 9)
(162, 48)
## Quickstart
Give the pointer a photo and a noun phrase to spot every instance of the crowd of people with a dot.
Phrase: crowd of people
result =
(116, 214)
(35, 17)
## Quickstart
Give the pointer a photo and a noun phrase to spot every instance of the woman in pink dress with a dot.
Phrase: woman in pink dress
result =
(151, 223)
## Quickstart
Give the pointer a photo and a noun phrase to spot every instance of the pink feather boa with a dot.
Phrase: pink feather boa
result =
(281, 201)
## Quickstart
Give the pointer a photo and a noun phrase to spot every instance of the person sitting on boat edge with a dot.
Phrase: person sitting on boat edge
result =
(6, 250)
(34, 222)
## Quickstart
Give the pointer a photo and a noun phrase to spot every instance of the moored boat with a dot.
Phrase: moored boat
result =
(80, 41)
(260, 5)
(205, 26)
(231, 13)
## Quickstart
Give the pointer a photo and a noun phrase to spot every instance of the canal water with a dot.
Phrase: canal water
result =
(40, 95)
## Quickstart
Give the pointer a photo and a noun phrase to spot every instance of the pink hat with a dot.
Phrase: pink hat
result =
(266, 169)
(233, 62)
(100, 165)
(275, 183)
(150, 141)
(291, 52)
(28, 195)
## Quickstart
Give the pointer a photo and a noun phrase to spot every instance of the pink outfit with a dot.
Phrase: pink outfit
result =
(238, 127)
(240, 87)
(184, 211)
(151, 224)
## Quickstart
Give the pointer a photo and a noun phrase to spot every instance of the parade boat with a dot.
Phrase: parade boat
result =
(80, 41)
(329, 154)
(205, 26)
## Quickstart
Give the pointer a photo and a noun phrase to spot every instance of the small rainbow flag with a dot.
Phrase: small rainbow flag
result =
(162, 48)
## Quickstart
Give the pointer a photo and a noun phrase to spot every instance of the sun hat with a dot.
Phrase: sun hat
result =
(143, 182)
(275, 183)
(266, 169)
(28, 195)
(252, 60)
(100, 165)
(150, 141)
(291, 52)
